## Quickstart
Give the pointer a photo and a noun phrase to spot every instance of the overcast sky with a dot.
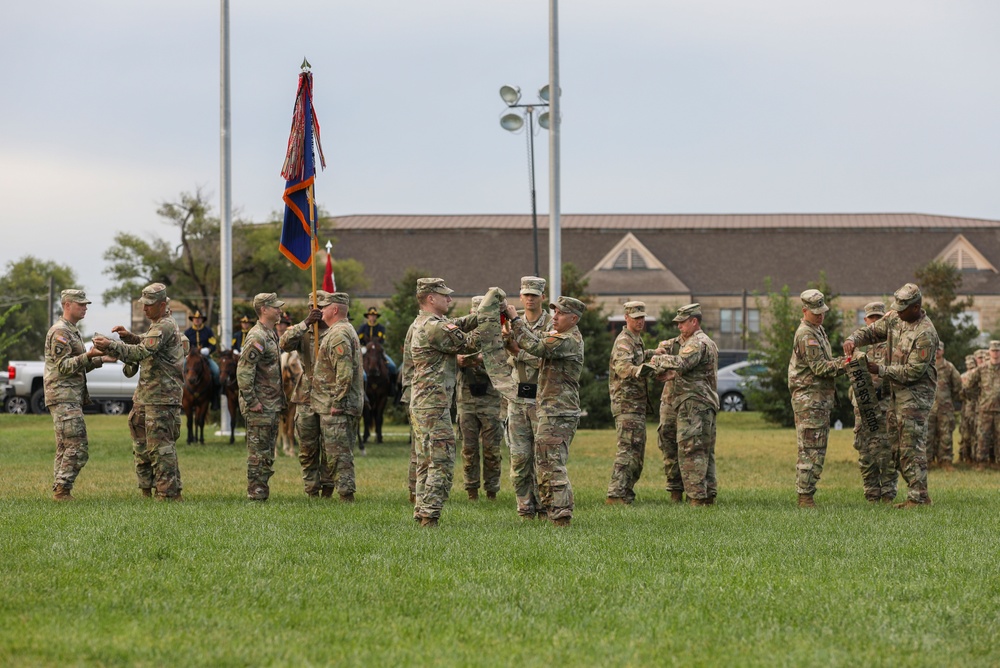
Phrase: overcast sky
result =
(669, 106)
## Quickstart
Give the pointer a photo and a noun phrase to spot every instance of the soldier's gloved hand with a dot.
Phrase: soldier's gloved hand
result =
(315, 315)
(205, 352)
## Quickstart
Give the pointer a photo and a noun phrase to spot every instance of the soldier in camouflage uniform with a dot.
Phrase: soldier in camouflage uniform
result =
(300, 339)
(434, 344)
(878, 470)
(694, 370)
(811, 371)
(941, 422)
(666, 431)
(629, 393)
(522, 413)
(155, 420)
(985, 381)
(338, 393)
(967, 427)
(262, 397)
(561, 353)
(66, 365)
(912, 379)
(479, 422)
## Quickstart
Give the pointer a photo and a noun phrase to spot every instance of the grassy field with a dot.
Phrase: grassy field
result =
(114, 579)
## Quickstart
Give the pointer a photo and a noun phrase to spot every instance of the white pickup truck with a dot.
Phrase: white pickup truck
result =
(108, 387)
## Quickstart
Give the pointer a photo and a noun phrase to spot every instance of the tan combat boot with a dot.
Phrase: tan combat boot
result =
(413, 498)
(698, 502)
(347, 498)
(428, 521)
(676, 496)
(146, 492)
(326, 492)
(473, 494)
(561, 521)
(806, 501)
(61, 493)
(615, 501)
(491, 496)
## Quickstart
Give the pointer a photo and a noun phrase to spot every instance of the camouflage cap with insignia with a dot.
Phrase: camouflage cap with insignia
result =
(428, 285)
(267, 299)
(532, 285)
(814, 301)
(151, 294)
(874, 308)
(635, 309)
(569, 305)
(994, 345)
(322, 299)
(905, 297)
(75, 296)
(689, 311)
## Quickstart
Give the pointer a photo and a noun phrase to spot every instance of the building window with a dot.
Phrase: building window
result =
(732, 321)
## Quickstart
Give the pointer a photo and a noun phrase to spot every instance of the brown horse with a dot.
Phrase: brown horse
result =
(378, 388)
(227, 378)
(197, 395)
(291, 371)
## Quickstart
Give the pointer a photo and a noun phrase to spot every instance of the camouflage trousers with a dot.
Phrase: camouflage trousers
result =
(666, 434)
(696, 449)
(878, 468)
(987, 432)
(812, 431)
(340, 433)
(71, 443)
(907, 427)
(631, 430)
(262, 433)
(967, 433)
(552, 441)
(435, 447)
(312, 456)
(522, 422)
(481, 434)
(155, 430)
(940, 430)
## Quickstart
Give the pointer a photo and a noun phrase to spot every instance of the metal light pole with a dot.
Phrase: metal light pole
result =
(513, 122)
(226, 205)
(555, 231)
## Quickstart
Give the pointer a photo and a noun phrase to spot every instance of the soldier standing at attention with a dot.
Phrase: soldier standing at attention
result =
(627, 386)
(694, 371)
(522, 414)
(941, 422)
(434, 344)
(338, 394)
(66, 365)
(258, 374)
(985, 381)
(155, 420)
(811, 372)
(912, 379)
(299, 339)
(561, 354)
(878, 470)
(967, 427)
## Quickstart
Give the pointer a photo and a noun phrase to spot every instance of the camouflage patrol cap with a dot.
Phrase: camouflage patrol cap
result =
(75, 296)
(635, 309)
(689, 311)
(994, 345)
(267, 299)
(322, 299)
(970, 360)
(906, 296)
(340, 298)
(428, 285)
(940, 345)
(569, 305)
(476, 301)
(814, 301)
(532, 285)
(153, 293)
(874, 308)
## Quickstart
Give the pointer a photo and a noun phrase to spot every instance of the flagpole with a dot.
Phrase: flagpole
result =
(313, 243)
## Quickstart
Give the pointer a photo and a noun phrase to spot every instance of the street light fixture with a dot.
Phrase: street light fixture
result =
(513, 122)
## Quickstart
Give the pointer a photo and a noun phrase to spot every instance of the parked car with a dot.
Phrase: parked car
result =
(734, 382)
(109, 389)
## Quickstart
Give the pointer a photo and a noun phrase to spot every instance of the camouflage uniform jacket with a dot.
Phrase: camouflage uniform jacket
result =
(258, 372)
(697, 368)
(559, 372)
(812, 368)
(949, 386)
(629, 393)
(434, 343)
(66, 365)
(969, 394)
(406, 370)
(160, 355)
(299, 338)
(338, 382)
(525, 364)
(909, 369)
(985, 381)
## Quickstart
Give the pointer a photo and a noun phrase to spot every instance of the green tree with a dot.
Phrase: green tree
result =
(597, 342)
(939, 283)
(399, 310)
(773, 348)
(25, 282)
(8, 334)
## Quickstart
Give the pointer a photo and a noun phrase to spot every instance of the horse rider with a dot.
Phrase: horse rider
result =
(203, 338)
(371, 329)
(240, 335)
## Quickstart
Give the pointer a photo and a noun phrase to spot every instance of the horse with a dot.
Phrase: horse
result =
(227, 378)
(291, 371)
(378, 388)
(197, 395)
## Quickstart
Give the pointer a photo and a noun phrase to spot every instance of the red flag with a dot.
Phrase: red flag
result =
(329, 284)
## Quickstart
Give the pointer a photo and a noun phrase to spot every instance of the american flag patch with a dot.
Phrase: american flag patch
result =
(451, 326)
(813, 342)
(258, 346)
(62, 339)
